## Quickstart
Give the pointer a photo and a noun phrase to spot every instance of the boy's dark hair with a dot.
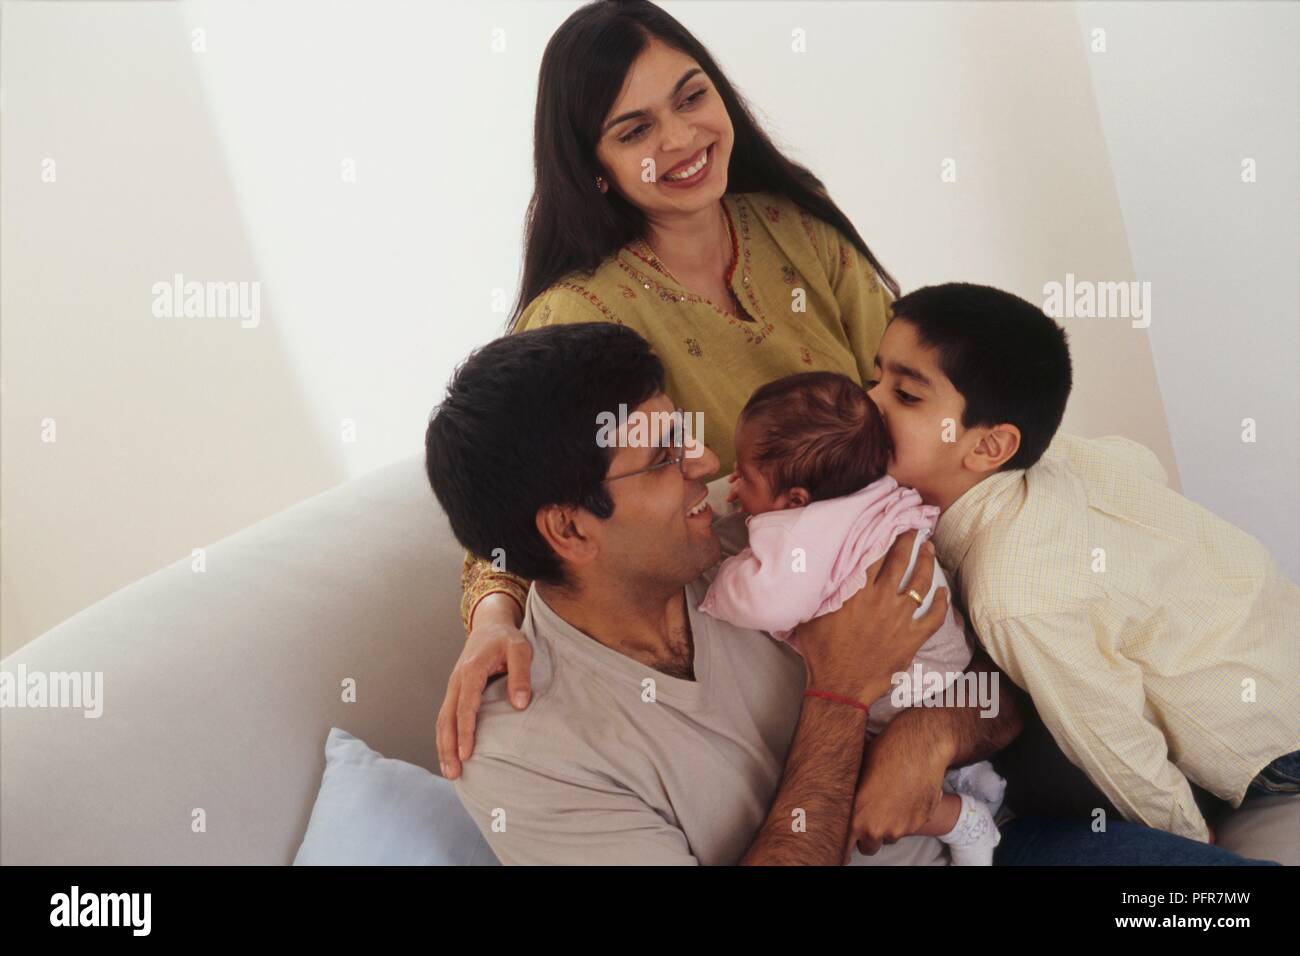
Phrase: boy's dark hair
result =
(517, 431)
(1009, 361)
(819, 431)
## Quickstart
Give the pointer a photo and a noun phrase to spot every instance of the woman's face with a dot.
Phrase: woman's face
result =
(666, 119)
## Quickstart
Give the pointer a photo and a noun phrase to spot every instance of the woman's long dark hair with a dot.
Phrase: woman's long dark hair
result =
(570, 225)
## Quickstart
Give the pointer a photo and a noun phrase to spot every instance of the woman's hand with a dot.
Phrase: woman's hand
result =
(495, 646)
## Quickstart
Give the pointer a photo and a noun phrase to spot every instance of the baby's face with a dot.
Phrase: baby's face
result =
(750, 491)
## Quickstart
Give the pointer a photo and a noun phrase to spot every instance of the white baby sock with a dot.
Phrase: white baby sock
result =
(972, 840)
(981, 781)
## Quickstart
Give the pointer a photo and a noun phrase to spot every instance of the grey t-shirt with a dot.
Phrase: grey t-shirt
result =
(614, 762)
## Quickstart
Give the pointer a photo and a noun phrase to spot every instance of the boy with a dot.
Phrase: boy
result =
(1158, 642)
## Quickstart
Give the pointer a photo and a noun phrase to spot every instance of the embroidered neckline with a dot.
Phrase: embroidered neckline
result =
(641, 250)
(652, 259)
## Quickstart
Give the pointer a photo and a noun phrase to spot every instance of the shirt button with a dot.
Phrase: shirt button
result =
(745, 280)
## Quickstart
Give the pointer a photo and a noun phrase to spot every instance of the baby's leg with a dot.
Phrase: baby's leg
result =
(944, 817)
(973, 837)
(964, 818)
(981, 789)
(966, 825)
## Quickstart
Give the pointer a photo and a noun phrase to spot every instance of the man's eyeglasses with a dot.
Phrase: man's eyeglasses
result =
(676, 454)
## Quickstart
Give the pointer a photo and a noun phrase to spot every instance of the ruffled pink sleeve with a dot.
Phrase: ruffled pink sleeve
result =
(768, 587)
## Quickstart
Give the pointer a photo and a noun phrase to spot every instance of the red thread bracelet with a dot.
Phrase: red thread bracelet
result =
(825, 695)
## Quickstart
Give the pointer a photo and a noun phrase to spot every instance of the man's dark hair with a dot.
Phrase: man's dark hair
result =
(1009, 361)
(517, 431)
(819, 431)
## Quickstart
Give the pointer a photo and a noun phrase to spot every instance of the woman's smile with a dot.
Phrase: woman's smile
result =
(701, 165)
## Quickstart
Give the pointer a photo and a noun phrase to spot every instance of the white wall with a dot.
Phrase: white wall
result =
(1187, 92)
(226, 165)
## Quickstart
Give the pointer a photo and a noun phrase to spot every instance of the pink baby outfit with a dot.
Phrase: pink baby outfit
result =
(802, 563)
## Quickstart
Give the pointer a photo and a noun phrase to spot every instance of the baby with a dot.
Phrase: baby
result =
(811, 455)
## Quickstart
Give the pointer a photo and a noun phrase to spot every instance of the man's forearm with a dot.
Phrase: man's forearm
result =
(809, 819)
(964, 734)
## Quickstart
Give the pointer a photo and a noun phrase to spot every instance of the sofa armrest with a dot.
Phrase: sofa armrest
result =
(219, 688)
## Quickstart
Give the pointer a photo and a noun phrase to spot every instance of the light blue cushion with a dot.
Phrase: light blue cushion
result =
(373, 811)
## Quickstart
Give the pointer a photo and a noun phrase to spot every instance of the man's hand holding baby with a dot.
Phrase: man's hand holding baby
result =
(855, 650)
(898, 788)
(902, 773)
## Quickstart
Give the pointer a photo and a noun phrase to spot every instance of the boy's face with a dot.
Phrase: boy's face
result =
(921, 409)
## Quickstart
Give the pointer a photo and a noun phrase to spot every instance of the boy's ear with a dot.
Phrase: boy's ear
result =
(998, 445)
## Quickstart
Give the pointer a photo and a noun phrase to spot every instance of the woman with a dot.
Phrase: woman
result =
(660, 204)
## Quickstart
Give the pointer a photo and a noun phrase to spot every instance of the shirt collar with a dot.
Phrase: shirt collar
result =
(547, 623)
(979, 505)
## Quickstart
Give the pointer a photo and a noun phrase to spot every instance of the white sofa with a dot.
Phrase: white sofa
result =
(220, 687)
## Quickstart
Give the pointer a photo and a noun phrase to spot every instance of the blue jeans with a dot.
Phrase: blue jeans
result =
(1281, 776)
(1039, 841)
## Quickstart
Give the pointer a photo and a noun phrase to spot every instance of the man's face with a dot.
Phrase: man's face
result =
(921, 408)
(651, 537)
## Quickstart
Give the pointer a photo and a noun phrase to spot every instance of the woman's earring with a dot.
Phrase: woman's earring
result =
(600, 183)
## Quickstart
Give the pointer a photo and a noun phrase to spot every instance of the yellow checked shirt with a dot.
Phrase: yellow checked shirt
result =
(1159, 642)
(809, 301)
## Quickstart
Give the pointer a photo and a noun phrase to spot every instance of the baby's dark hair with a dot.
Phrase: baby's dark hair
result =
(819, 431)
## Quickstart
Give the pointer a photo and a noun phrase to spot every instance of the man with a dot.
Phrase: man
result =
(657, 734)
